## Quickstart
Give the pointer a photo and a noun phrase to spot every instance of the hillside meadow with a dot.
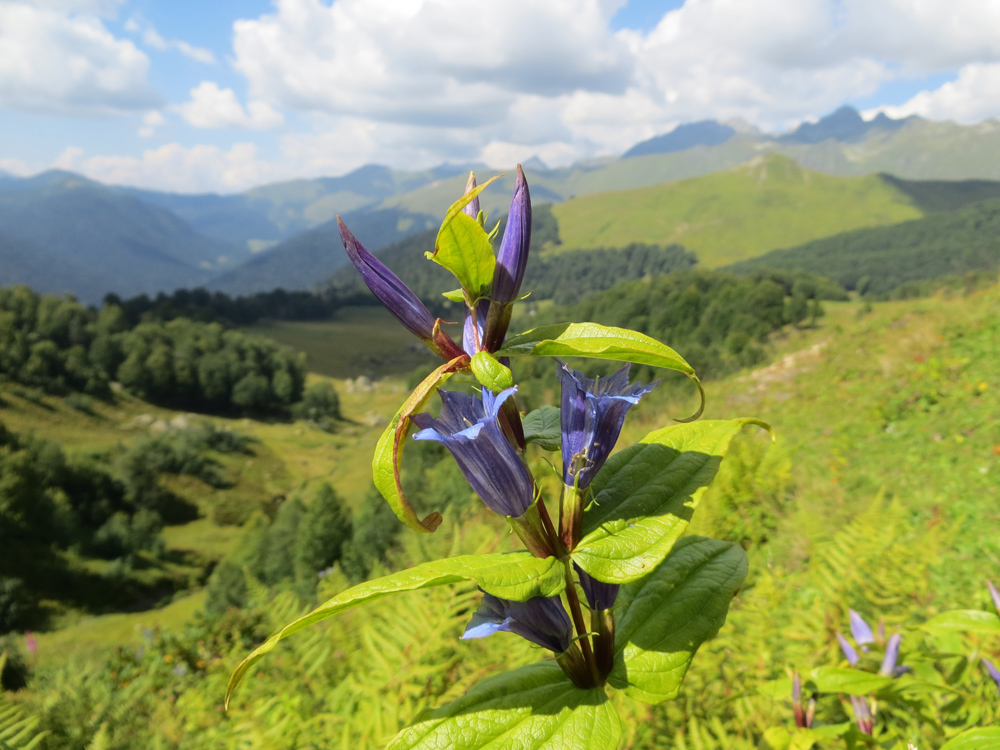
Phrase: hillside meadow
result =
(878, 495)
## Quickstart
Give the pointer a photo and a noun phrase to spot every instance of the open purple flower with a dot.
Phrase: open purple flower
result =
(861, 631)
(599, 595)
(541, 620)
(593, 412)
(993, 671)
(468, 427)
(849, 653)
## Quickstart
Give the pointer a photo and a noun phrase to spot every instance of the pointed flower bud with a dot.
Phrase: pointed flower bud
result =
(993, 671)
(861, 631)
(593, 412)
(469, 428)
(541, 620)
(889, 668)
(397, 298)
(800, 716)
(994, 595)
(475, 328)
(599, 595)
(849, 653)
(862, 714)
(472, 207)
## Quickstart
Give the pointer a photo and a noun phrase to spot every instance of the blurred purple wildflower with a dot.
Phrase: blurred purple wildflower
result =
(849, 653)
(861, 631)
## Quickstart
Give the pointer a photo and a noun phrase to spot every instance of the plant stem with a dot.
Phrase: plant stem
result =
(581, 629)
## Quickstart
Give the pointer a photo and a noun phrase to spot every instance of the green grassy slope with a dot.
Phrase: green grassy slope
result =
(941, 244)
(768, 203)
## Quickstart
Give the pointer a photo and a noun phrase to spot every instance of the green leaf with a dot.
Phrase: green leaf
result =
(644, 496)
(979, 738)
(456, 296)
(596, 341)
(389, 449)
(491, 373)
(464, 248)
(666, 616)
(518, 576)
(849, 681)
(531, 708)
(542, 427)
(964, 620)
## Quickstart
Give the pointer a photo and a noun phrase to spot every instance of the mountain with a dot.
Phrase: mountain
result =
(126, 245)
(880, 259)
(767, 203)
(22, 262)
(844, 125)
(703, 133)
(265, 216)
(306, 260)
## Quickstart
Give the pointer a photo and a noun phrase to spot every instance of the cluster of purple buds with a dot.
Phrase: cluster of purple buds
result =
(864, 637)
(484, 435)
(863, 714)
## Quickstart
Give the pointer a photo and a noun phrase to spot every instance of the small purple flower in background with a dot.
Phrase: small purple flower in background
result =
(993, 671)
(889, 668)
(541, 620)
(994, 595)
(599, 595)
(849, 653)
(861, 631)
(862, 714)
(593, 412)
(469, 428)
(472, 207)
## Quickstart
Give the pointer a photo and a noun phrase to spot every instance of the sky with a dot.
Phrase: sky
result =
(223, 95)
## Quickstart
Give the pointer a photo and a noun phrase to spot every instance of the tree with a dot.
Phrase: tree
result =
(325, 528)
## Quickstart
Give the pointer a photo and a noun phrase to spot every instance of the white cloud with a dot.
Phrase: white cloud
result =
(59, 63)
(212, 107)
(971, 97)
(152, 38)
(150, 122)
(173, 167)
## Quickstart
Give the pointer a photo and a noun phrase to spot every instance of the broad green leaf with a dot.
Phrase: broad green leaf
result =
(644, 496)
(389, 449)
(491, 373)
(518, 576)
(965, 621)
(979, 738)
(848, 681)
(664, 617)
(596, 341)
(542, 427)
(531, 708)
(456, 296)
(463, 247)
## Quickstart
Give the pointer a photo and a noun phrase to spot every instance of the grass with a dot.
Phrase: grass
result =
(768, 203)
(358, 341)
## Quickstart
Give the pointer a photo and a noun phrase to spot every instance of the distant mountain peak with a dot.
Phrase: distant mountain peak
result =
(843, 124)
(683, 137)
(535, 164)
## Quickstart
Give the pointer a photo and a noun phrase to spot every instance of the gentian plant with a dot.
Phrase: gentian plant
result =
(610, 546)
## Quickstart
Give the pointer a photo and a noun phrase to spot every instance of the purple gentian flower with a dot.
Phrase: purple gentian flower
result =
(593, 412)
(849, 653)
(862, 714)
(994, 595)
(469, 428)
(599, 595)
(512, 258)
(472, 207)
(861, 631)
(994, 672)
(889, 668)
(541, 620)
(475, 329)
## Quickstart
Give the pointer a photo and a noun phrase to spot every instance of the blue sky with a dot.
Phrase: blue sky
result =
(224, 95)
